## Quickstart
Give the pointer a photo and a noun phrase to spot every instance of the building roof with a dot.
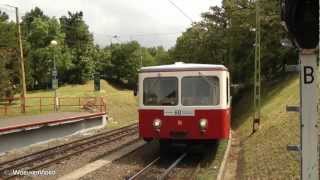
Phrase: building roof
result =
(180, 66)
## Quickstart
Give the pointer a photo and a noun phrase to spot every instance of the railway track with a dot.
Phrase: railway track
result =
(55, 154)
(159, 174)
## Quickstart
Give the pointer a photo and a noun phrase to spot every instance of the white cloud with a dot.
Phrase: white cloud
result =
(127, 18)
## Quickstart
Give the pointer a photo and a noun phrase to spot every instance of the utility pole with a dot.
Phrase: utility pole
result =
(22, 72)
(230, 50)
(23, 79)
(257, 70)
(141, 58)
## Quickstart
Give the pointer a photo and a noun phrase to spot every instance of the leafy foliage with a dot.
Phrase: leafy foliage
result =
(80, 41)
(226, 35)
(40, 30)
(9, 61)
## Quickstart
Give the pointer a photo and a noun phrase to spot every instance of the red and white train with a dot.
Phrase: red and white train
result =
(184, 102)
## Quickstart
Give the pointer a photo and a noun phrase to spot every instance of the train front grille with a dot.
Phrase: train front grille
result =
(178, 135)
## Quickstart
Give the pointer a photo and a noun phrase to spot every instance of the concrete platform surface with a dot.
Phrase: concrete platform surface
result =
(23, 131)
(11, 123)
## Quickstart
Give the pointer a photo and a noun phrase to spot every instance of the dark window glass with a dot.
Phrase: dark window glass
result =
(160, 91)
(200, 91)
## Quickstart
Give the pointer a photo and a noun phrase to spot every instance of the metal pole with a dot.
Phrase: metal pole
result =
(309, 115)
(55, 88)
(40, 104)
(230, 39)
(23, 79)
(141, 58)
(257, 70)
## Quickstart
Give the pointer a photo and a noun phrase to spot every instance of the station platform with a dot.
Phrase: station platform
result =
(14, 124)
(21, 131)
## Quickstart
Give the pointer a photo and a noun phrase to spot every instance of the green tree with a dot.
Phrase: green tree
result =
(3, 16)
(125, 61)
(103, 62)
(40, 30)
(9, 62)
(226, 35)
(7, 32)
(146, 58)
(161, 56)
(80, 41)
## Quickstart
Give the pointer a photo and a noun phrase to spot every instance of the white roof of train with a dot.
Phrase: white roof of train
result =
(180, 66)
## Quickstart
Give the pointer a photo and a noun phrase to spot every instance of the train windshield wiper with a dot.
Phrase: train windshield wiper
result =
(207, 80)
(153, 85)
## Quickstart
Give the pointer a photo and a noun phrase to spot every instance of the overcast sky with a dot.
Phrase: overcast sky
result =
(150, 22)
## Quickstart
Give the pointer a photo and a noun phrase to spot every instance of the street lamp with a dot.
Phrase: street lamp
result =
(114, 37)
(54, 43)
(286, 43)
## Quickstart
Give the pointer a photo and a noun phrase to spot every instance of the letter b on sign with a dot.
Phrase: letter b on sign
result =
(308, 76)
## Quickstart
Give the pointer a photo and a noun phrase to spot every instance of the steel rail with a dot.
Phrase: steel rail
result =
(79, 151)
(144, 169)
(97, 136)
(46, 163)
(63, 150)
(195, 171)
(173, 165)
(57, 159)
(165, 173)
(106, 138)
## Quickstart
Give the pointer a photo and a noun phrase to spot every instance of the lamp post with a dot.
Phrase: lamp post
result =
(54, 43)
(257, 72)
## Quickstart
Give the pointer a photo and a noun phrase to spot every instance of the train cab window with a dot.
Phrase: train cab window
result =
(160, 91)
(200, 91)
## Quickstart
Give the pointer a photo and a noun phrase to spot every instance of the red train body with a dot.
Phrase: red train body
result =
(184, 102)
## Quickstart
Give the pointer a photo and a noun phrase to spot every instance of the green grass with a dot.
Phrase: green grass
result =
(264, 154)
(121, 104)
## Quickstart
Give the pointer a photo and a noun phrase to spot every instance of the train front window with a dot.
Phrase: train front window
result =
(160, 91)
(200, 91)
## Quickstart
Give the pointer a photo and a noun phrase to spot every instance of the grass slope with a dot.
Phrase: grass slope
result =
(264, 154)
(121, 104)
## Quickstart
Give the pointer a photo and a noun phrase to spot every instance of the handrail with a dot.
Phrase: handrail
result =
(10, 105)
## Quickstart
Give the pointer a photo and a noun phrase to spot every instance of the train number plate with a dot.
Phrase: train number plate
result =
(178, 112)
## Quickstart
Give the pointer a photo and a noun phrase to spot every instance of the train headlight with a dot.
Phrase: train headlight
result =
(203, 124)
(156, 124)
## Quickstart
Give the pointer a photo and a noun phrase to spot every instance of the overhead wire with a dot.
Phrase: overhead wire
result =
(182, 12)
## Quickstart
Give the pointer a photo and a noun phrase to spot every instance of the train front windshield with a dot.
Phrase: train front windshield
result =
(200, 91)
(160, 91)
(195, 91)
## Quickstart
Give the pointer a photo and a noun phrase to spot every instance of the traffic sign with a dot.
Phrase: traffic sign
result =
(309, 116)
(54, 73)
(55, 83)
(97, 82)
